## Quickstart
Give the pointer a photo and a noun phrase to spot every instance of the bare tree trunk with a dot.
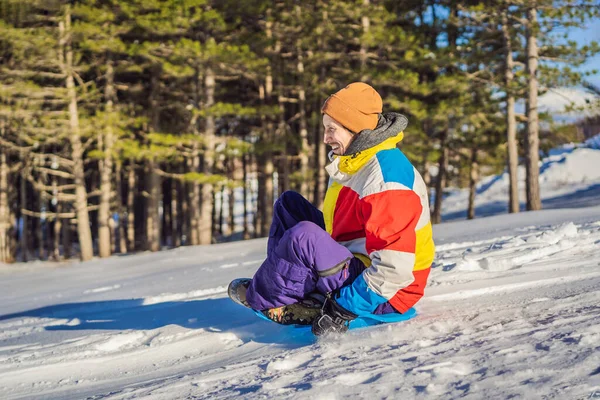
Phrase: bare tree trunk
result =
(112, 231)
(231, 201)
(533, 169)
(366, 25)
(6, 227)
(152, 216)
(426, 173)
(166, 234)
(474, 177)
(230, 214)
(57, 230)
(24, 239)
(39, 229)
(265, 162)
(284, 160)
(66, 238)
(221, 210)
(104, 237)
(255, 200)
(511, 121)
(304, 146)
(184, 218)
(426, 163)
(83, 221)
(440, 182)
(131, 187)
(266, 200)
(195, 219)
(153, 180)
(321, 162)
(246, 232)
(120, 208)
(49, 234)
(215, 215)
(321, 159)
(285, 174)
(206, 228)
(264, 166)
(175, 232)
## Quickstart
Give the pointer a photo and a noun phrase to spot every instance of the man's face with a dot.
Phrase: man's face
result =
(336, 136)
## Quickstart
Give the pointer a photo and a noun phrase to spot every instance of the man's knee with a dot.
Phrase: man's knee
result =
(290, 197)
(307, 228)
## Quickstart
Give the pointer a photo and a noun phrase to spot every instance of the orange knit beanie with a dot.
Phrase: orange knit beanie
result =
(356, 107)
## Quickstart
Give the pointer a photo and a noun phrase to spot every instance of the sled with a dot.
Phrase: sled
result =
(237, 293)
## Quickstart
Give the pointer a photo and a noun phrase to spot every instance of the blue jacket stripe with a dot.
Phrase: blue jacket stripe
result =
(395, 167)
(358, 298)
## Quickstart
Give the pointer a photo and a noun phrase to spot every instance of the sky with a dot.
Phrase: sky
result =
(585, 36)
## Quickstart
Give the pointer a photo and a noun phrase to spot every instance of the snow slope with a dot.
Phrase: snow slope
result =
(557, 102)
(569, 177)
(512, 310)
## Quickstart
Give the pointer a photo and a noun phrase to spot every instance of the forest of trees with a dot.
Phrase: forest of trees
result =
(129, 125)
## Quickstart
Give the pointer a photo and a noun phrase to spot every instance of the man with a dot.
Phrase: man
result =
(370, 250)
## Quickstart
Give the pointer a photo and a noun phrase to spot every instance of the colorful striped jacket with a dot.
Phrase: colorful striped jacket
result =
(377, 206)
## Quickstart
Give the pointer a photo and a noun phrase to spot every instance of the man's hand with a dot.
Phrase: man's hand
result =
(333, 318)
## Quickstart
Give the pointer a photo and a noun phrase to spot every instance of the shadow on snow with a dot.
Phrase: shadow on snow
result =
(213, 315)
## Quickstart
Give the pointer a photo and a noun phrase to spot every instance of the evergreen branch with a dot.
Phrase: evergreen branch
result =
(43, 158)
(521, 21)
(553, 59)
(94, 193)
(186, 153)
(62, 161)
(590, 86)
(171, 175)
(50, 189)
(521, 117)
(25, 114)
(52, 216)
(81, 82)
(283, 99)
(227, 78)
(15, 167)
(87, 144)
(31, 74)
(14, 147)
(55, 172)
(48, 215)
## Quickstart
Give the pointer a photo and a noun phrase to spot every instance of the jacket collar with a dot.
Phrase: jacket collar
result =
(388, 125)
(344, 166)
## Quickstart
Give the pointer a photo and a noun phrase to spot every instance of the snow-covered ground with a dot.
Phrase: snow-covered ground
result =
(512, 310)
(569, 177)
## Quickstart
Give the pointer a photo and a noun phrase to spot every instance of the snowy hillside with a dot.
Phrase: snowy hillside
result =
(558, 102)
(569, 177)
(511, 312)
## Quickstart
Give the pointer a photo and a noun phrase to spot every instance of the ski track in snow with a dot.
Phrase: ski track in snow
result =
(508, 316)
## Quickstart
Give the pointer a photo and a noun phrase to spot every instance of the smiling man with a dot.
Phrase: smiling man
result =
(369, 252)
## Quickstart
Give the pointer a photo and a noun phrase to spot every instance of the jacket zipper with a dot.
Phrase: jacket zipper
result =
(334, 270)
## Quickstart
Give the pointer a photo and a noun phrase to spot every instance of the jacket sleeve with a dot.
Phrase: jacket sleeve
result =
(390, 220)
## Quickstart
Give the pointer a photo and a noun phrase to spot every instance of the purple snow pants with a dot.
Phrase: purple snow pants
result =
(301, 258)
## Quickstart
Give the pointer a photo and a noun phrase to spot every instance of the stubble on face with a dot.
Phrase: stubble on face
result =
(336, 136)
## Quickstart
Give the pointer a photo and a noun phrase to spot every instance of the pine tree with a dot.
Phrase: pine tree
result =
(42, 86)
(98, 32)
